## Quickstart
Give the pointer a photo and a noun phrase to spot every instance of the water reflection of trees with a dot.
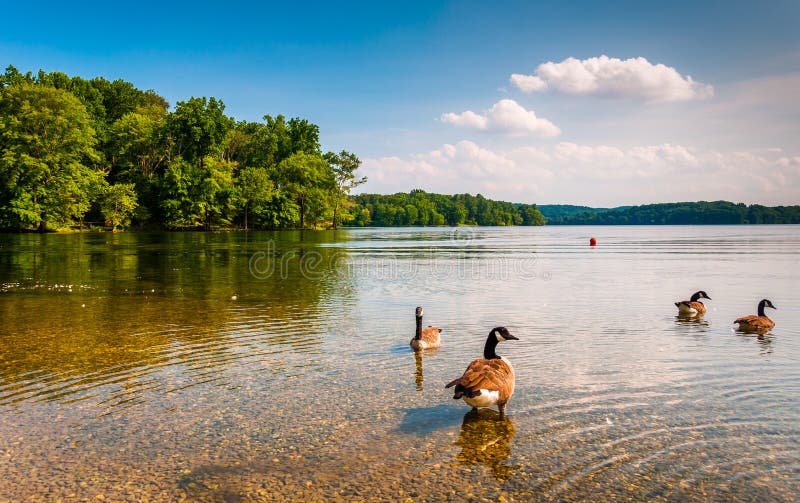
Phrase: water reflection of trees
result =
(485, 438)
(80, 311)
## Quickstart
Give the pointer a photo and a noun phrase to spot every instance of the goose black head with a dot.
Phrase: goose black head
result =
(700, 295)
(502, 334)
(767, 303)
(419, 312)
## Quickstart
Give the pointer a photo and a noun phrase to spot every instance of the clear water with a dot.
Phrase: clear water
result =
(233, 367)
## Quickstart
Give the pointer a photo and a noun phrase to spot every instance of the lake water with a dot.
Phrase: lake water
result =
(269, 366)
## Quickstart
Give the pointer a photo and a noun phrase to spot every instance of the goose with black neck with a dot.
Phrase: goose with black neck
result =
(488, 381)
(428, 338)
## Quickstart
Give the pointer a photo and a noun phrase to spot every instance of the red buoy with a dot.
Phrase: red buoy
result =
(592, 242)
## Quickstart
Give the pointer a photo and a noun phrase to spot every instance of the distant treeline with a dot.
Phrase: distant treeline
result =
(696, 213)
(423, 208)
(554, 211)
(74, 150)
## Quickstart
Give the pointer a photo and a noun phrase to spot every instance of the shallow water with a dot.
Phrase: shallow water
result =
(269, 366)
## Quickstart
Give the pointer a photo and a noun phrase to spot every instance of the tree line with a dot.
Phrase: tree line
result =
(422, 208)
(555, 211)
(687, 213)
(74, 150)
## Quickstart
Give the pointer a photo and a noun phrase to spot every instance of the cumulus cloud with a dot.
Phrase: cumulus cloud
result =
(461, 167)
(613, 163)
(634, 78)
(528, 83)
(469, 159)
(506, 116)
(597, 175)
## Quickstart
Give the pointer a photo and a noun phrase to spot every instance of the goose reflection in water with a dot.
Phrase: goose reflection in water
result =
(485, 438)
(418, 377)
(764, 341)
(692, 321)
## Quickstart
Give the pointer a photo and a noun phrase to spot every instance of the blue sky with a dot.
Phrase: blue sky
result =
(394, 82)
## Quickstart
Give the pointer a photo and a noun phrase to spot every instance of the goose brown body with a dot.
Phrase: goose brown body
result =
(427, 338)
(693, 307)
(488, 381)
(757, 322)
(495, 376)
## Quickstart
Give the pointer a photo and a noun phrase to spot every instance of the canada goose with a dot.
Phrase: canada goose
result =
(425, 339)
(489, 380)
(693, 307)
(757, 323)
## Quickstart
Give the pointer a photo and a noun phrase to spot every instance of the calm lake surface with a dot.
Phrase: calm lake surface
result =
(276, 366)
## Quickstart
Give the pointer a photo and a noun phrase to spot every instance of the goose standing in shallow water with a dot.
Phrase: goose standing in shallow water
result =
(693, 307)
(489, 380)
(757, 323)
(425, 339)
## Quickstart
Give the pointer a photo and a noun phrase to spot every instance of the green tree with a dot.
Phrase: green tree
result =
(279, 212)
(197, 128)
(215, 197)
(137, 143)
(12, 76)
(363, 217)
(121, 98)
(531, 215)
(176, 191)
(344, 166)
(118, 203)
(48, 173)
(197, 196)
(458, 213)
(238, 144)
(304, 136)
(412, 213)
(273, 143)
(421, 208)
(84, 90)
(138, 153)
(305, 178)
(255, 189)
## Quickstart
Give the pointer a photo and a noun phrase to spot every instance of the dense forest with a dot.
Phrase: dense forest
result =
(556, 211)
(702, 212)
(422, 208)
(76, 151)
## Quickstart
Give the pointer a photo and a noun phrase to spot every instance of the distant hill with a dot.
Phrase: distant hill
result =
(424, 208)
(685, 213)
(555, 211)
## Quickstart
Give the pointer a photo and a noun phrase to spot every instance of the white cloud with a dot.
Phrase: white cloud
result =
(468, 119)
(634, 78)
(461, 167)
(506, 116)
(612, 163)
(597, 175)
(470, 160)
(528, 83)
